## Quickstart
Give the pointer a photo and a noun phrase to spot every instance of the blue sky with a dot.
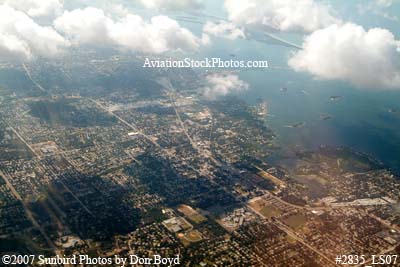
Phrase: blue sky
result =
(352, 41)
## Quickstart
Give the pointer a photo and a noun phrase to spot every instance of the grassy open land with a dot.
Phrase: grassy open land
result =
(270, 211)
(198, 218)
(189, 237)
(265, 208)
(191, 214)
(296, 221)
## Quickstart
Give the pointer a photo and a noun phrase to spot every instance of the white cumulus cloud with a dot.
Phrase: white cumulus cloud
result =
(282, 15)
(384, 3)
(22, 38)
(172, 4)
(130, 32)
(221, 84)
(37, 8)
(224, 29)
(367, 59)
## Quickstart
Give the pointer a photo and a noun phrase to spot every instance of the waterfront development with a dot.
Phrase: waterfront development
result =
(118, 161)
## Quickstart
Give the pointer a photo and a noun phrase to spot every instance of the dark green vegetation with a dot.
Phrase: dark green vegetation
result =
(16, 245)
(17, 81)
(163, 180)
(161, 111)
(103, 212)
(112, 184)
(12, 213)
(336, 172)
(63, 111)
(348, 159)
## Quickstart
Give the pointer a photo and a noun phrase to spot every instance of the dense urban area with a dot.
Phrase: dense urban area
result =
(100, 156)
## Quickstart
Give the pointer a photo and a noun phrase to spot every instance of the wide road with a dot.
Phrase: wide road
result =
(28, 73)
(292, 234)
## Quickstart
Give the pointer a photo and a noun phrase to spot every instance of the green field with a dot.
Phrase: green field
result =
(296, 221)
(270, 211)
